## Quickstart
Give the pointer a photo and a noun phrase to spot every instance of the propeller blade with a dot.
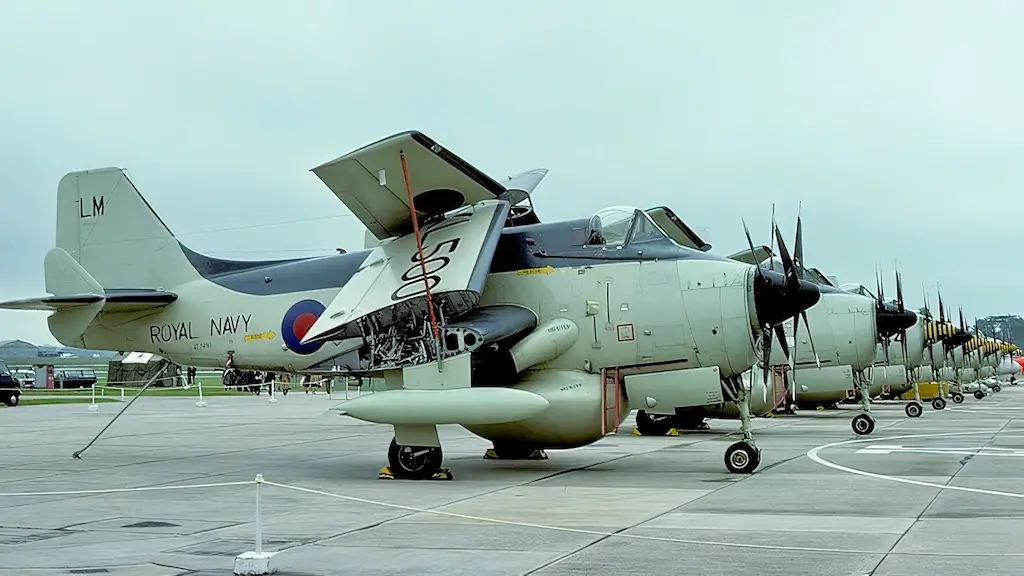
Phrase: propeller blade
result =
(788, 267)
(780, 333)
(766, 341)
(771, 246)
(810, 339)
(899, 292)
(750, 244)
(798, 245)
(792, 362)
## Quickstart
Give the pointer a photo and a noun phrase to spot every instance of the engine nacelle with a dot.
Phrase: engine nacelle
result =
(718, 313)
(915, 348)
(1008, 367)
(894, 377)
(573, 416)
(843, 328)
(547, 342)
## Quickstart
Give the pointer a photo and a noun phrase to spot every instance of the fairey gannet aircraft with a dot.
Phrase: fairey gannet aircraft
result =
(473, 312)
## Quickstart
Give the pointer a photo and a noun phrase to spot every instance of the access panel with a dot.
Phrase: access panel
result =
(663, 392)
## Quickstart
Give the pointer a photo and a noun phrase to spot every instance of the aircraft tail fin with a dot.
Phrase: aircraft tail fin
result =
(109, 229)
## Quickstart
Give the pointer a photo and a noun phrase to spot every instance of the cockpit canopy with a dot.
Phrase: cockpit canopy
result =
(620, 226)
(858, 289)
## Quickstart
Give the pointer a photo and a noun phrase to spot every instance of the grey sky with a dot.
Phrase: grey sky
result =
(897, 124)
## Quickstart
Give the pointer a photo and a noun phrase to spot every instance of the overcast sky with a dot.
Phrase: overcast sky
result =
(898, 124)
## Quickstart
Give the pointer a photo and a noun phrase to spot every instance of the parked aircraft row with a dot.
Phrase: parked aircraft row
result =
(473, 311)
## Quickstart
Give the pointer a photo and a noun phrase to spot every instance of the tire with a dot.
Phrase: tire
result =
(957, 397)
(979, 394)
(913, 409)
(653, 425)
(997, 388)
(938, 403)
(404, 465)
(742, 458)
(863, 424)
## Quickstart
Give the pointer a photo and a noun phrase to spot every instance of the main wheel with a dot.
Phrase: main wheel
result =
(979, 394)
(864, 424)
(414, 462)
(938, 403)
(742, 458)
(654, 424)
(913, 409)
(957, 397)
(997, 388)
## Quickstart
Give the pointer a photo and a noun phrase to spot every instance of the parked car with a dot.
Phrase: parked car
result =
(27, 378)
(73, 377)
(10, 388)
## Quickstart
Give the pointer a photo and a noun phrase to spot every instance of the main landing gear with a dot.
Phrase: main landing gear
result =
(648, 424)
(744, 456)
(414, 463)
(957, 398)
(864, 423)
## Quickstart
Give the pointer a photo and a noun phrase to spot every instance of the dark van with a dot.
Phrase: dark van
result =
(10, 388)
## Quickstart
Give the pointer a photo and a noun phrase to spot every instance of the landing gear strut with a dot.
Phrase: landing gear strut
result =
(744, 456)
(864, 423)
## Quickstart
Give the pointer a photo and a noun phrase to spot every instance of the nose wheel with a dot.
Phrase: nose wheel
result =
(864, 424)
(957, 398)
(979, 394)
(742, 457)
(938, 403)
(913, 410)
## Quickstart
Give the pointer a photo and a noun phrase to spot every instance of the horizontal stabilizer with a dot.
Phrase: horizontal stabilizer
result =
(113, 301)
(761, 253)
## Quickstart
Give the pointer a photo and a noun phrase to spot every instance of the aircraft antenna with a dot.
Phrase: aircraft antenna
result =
(423, 265)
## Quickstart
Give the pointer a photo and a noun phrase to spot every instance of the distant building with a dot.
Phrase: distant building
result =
(20, 351)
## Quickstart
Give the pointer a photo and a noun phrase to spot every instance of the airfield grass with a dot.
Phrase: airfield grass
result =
(211, 387)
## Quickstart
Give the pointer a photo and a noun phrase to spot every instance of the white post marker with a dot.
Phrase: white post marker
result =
(201, 403)
(273, 398)
(93, 407)
(256, 563)
(122, 393)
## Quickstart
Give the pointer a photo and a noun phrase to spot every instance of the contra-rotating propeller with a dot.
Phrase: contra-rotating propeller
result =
(892, 320)
(778, 297)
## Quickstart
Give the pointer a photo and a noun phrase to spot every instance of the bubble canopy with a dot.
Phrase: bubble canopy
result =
(619, 226)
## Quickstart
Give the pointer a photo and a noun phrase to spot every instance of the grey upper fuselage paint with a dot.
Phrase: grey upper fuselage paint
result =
(558, 244)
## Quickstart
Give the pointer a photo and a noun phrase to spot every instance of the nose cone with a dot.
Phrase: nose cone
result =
(775, 301)
(891, 321)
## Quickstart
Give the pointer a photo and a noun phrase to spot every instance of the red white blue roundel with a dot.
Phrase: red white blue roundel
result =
(297, 322)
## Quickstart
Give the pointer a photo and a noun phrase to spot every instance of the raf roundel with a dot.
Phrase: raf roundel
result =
(297, 322)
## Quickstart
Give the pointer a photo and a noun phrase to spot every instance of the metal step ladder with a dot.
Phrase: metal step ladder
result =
(611, 401)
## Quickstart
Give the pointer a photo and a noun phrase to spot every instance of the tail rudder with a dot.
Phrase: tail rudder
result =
(109, 229)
